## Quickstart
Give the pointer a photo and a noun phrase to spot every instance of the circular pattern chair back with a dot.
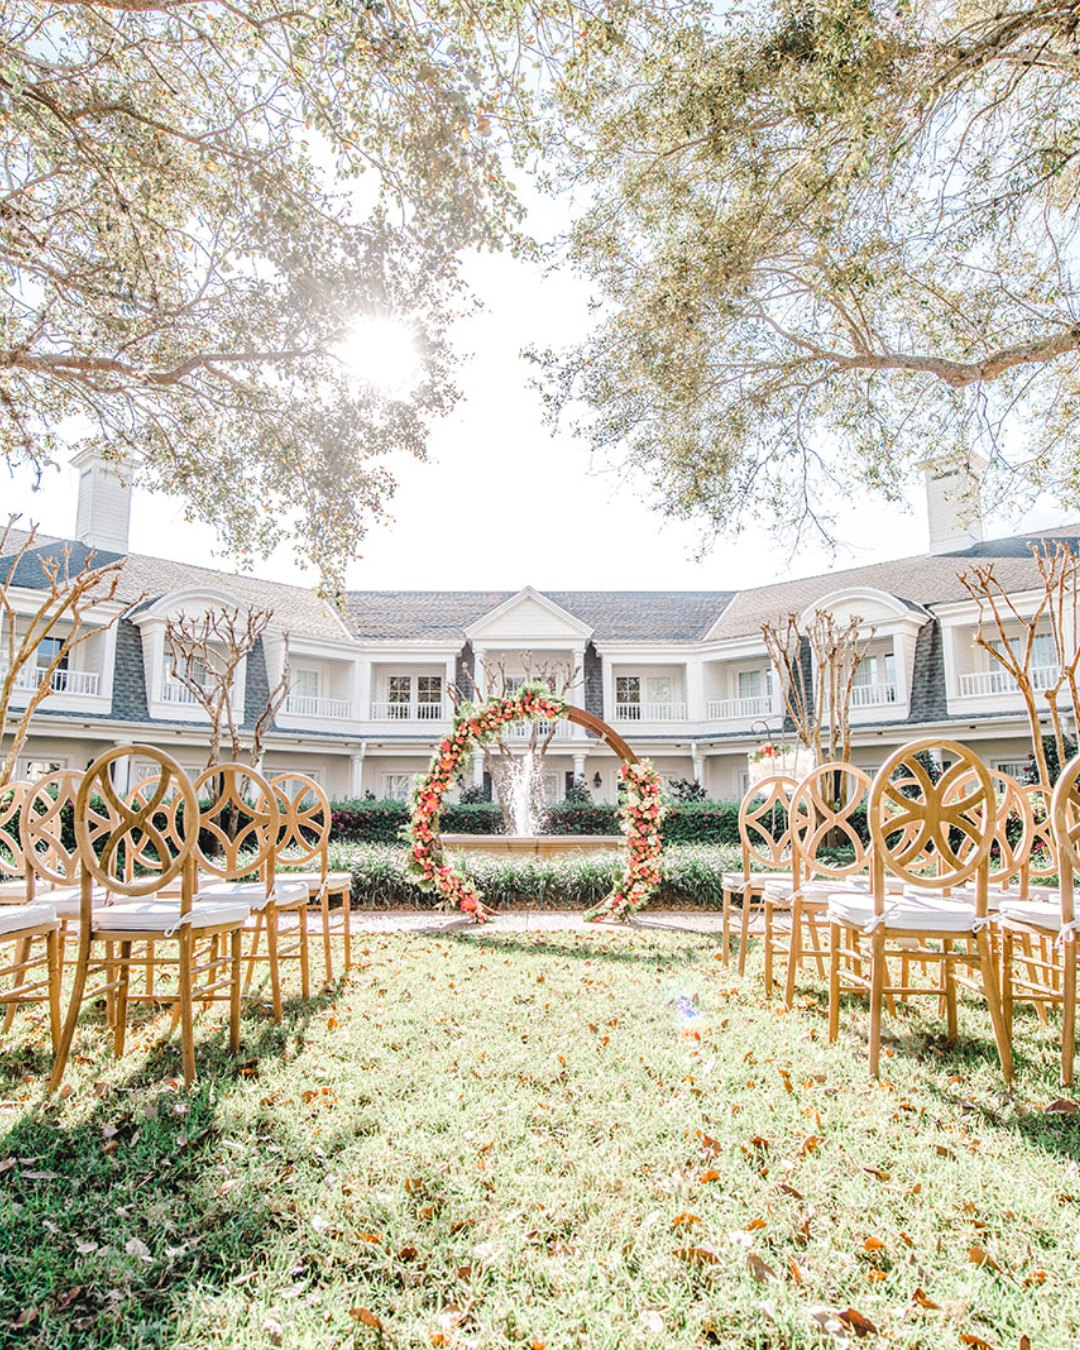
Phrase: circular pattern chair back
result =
(305, 819)
(765, 823)
(824, 807)
(109, 828)
(242, 819)
(932, 835)
(12, 860)
(1014, 832)
(48, 808)
(1065, 822)
(1044, 861)
(166, 812)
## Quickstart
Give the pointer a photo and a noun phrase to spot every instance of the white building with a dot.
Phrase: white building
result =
(683, 676)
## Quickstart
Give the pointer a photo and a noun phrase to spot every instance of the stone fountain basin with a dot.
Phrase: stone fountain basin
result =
(532, 845)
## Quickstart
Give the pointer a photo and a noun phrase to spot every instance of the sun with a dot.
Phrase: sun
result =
(383, 353)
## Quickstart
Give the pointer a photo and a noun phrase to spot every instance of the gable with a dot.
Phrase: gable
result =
(527, 617)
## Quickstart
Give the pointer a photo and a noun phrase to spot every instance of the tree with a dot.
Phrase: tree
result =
(199, 201)
(824, 236)
(517, 768)
(65, 600)
(1008, 630)
(207, 651)
(816, 670)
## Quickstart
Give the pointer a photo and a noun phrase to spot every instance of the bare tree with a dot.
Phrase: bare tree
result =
(1008, 636)
(817, 694)
(503, 758)
(207, 652)
(63, 613)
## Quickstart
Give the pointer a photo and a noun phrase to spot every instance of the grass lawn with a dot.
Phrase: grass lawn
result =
(599, 1140)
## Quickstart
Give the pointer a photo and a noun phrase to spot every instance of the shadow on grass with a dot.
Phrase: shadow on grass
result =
(112, 1221)
(585, 947)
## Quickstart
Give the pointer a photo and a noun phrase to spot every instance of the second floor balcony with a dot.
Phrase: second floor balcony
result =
(61, 681)
(877, 695)
(389, 711)
(740, 709)
(650, 712)
(309, 705)
(981, 683)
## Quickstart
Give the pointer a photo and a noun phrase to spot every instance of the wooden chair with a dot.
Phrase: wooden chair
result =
(1052, 922)
(765, 837)
(305, 839)
(12, 863)
(823, 810)
(933, 837)
(107, 828)
(244, 822)
(25, 926)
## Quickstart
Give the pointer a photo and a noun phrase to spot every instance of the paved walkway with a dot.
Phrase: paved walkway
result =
(524, 920)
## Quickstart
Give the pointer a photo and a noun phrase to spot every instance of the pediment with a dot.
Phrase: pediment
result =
(865, 603)
(529, 616)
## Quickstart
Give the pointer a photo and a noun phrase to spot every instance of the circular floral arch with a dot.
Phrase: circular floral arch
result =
(641, 810)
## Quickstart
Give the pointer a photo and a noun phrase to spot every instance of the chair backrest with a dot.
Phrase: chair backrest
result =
(824, 809)
(1043, 865)
(242, 819)
(108, 828)
(12, 861)
(1014, 833)
(48, 801)
(1065, 822)
(932, 835)
(166, 810)
(305, 819)
(765, 823)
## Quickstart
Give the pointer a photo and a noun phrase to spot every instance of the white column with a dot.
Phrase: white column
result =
(697, 763)
(478, 767)
(356, 774)
(695, 690)
(579, 766)
(121, 773)
(448, 681)
(607, 680)
(479, 680)
(361, 690)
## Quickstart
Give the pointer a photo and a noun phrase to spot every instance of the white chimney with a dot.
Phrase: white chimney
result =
(104, 511)
(952, 504)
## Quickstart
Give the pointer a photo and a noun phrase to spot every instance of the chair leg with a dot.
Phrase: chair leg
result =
(305, 966)
(82, 963)
(187, 1017)
(149, 977)
(819, 955)
(877, 991)
(254, 951)
(726, 935)
(123, 978)
(948, 986)
(1068, 1018)
(767, 910)
(56, 971)
(794, 953)
(990, 988)
(1033, 975)
(346, 920)
(237, 945)
(22, 952)
(1007, 980)
(328, 960)
(834, 982)
(272, 952)
(744, 931)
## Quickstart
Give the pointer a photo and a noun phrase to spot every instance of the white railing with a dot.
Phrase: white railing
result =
(61, 681)
(408, 712)
(978, 683)
(172, 691)
(521, 731)
(305, 705)
(873, 695)
(726, 709)
(650, 712)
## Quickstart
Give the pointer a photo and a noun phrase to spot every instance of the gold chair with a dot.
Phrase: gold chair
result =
(12, 864)
(765, 838)
(823, 807)
(305, 838)
(1053, 923)
(26, 925)
(107, 829)
(933, 837)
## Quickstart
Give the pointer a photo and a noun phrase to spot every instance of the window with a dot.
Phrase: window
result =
(306, 683)
(397, 786)
(428, 692)
(628, 694)
(660, 689)
(47, 651)
(398, 696)
(1015, 768)
(754, 683)
(876, 668)
(195, 669)
(30, 770)
(1043, 653)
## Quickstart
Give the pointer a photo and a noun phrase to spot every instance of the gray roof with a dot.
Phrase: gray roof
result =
(646, 616)
(920, 581)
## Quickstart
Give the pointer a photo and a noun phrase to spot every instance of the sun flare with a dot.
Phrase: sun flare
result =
(383, 353)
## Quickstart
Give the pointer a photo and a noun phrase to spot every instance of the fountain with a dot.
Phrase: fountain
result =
(524, 793)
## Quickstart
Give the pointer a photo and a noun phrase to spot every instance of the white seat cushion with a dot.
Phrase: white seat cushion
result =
(12, 890)
(1038, 913)
(164, 915)
(14, 918)
(253, 893)
(813, 890)
(906, 913)
(67, 900)
(733, 881)
(335, 881)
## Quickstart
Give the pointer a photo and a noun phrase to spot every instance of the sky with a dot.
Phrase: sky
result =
(559, 522)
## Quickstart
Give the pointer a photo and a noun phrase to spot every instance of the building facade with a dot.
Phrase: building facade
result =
(683, 676)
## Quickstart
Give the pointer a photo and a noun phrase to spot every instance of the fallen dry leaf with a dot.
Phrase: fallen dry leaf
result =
(978, 1257)
(860, 1325)
(367, 1318)
(873, 1244)
(701, 1256)
(923, 1301)
(710, 1175)
(809, 1144)
(970, 1338)
(760, 1269)
(684, 1220)
(1061, 1107)
(1034, 1277)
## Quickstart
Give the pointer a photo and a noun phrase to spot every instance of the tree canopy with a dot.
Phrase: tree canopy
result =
(830, 238)
(199, 199)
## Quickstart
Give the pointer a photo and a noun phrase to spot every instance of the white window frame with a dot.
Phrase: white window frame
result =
(391, 792)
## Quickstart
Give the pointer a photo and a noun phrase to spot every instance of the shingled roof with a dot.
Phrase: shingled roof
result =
(924, 580)
(614, 616)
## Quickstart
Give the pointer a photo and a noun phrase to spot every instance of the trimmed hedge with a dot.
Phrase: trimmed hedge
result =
(381, 822)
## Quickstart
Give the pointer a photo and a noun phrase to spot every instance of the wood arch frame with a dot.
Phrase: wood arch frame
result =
(600, 728)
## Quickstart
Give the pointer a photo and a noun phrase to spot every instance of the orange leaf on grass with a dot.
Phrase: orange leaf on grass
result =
(873, 1244)
(921, 1298)
(367, 1318)
(760, 1269)
(710, 1175)
(684, 1220)
(809, 1144)
(978, 1257)
(701, 1256)
(979, 1343)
